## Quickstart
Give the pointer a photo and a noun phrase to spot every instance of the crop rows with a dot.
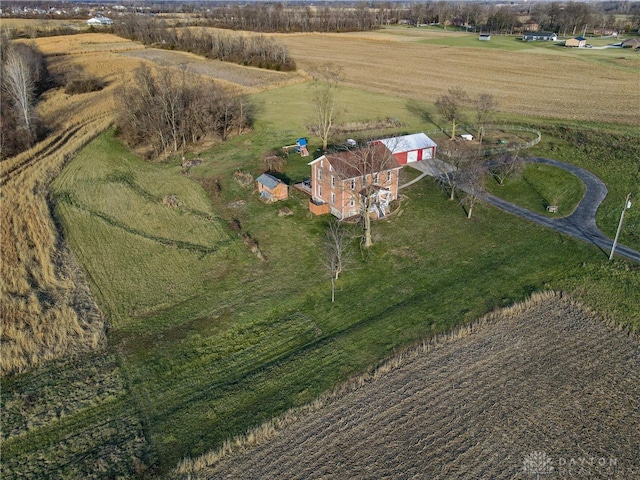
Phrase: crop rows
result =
(550, 379)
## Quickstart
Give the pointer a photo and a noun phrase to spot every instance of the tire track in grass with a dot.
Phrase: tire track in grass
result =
(180, 244)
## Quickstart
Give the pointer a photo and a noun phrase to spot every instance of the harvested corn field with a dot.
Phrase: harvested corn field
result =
(542, 387)
(538, 82)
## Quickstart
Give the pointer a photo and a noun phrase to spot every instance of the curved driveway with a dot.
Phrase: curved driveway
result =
(581, 223)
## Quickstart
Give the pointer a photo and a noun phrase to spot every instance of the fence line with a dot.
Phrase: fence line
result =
(529, 144)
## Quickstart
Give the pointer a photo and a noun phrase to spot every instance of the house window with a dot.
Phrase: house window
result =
(352, 202)
(333, 181)
(376, 178)
(333, 198)
(353, 184)
(330, 168)
(320, 174)
(388, 175)
(320, 191)
(321, 164)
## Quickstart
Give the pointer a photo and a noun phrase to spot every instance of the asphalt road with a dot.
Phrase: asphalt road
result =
(581, 223)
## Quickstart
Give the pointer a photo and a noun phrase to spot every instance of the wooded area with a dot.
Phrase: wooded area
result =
(24, 77)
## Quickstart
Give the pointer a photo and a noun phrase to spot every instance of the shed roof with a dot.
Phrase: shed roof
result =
(407, 143)
(268, 181)
(580, 39)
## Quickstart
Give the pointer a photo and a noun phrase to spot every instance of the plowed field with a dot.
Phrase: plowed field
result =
(545, 382)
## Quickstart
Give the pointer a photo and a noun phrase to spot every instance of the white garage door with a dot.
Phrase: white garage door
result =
(426, 153)
(412, 156)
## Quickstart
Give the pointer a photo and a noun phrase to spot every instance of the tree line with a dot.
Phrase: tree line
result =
(279, 17)
(166, 111)
(255, 50)
(24, 76)
(561, 17)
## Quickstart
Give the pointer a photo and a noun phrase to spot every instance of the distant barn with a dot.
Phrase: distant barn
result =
(539, 37)
(100, 22)
(485, 36)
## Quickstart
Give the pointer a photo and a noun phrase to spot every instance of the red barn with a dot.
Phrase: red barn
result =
(410, 148)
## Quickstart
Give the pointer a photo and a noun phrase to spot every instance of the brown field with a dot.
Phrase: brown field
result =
(544, 376)
(526, 82)
(47, 310)
(248, 79)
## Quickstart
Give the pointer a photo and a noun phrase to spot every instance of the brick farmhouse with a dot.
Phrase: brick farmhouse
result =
(341, 182)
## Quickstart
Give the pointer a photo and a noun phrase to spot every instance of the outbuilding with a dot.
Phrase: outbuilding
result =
(272, 189)
(579, 42)
(410, 148)
(539, 37)
(100, 22)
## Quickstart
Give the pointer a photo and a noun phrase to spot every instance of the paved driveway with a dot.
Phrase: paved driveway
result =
(580, 224)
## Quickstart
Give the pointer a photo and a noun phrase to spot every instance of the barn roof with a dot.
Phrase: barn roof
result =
(363, 161)
(268, 181)
(407, 143)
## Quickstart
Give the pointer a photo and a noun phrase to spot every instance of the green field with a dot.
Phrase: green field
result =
(539, 186)
(208, 340)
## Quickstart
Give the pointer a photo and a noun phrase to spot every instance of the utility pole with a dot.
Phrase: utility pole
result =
(627, 206)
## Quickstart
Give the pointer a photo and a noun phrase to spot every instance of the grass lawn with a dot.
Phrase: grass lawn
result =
(539, 186)
(207, 340)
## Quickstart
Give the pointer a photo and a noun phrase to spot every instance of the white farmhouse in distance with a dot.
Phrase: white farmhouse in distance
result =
(100, 21)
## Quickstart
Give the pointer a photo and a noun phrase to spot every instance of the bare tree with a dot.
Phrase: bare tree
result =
(325, 87)
(20, 84)
(451, 106)
(374, 162)
(485, 110)
(337, 252)
(457, 156)
(505, 166)
(273, 162)
(472, 184)
(167, 111)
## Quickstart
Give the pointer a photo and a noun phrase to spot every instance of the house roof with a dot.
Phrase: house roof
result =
(100, 21)
(406, 143)
(363, 161)
(634, 42)
(268, 181)
(540, 34)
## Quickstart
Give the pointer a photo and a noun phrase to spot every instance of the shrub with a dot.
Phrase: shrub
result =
(84, 85)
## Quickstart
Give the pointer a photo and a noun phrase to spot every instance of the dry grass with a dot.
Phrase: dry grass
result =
(246, 79)
(547, 83)
(543, 375)
(47, 309)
